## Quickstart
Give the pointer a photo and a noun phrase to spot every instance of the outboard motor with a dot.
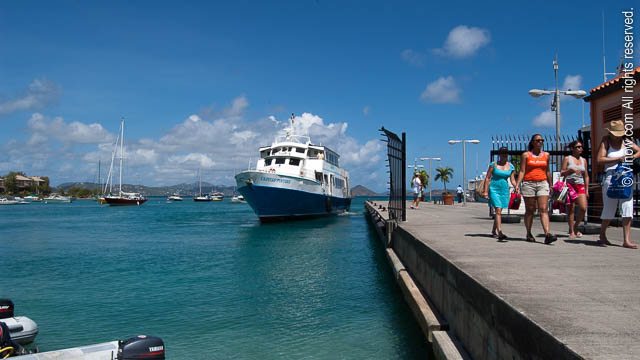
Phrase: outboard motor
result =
(23, 330)
(6, 308)
(141, 347)
(9, 347)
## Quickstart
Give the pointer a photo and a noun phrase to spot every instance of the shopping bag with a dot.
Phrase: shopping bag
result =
(514, 201)
(621, 183)
(560, 191)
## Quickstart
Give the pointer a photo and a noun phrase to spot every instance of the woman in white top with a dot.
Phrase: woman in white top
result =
(416, 184)
(575, 175)
(610, 154)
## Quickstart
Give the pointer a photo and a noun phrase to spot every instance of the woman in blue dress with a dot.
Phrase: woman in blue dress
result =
(496, 188)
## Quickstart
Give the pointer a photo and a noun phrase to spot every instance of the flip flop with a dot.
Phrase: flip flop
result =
(630, 246)
(578, 234)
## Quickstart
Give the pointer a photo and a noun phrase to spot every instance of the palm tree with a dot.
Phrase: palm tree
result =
(444, 174)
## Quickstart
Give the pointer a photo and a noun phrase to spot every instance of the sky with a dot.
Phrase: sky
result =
(203, 84)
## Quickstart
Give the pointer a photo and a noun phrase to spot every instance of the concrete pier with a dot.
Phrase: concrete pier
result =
(513, 300)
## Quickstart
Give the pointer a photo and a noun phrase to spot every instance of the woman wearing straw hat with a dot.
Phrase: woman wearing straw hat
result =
(610, 154)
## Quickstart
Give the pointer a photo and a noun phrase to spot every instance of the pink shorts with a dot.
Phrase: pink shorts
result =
(578, 188)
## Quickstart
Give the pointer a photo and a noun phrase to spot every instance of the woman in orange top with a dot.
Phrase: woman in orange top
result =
(536, 182)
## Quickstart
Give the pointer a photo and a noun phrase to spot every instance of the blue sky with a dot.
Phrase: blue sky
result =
(203, 84)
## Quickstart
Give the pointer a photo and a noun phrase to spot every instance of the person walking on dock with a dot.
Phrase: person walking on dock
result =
(416, 185)
(535, 179)
(611, 154)
(576, 177)
(496, 189)
(460, 192)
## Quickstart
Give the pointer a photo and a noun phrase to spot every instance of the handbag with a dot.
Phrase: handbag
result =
(560, 190)
(621, 182)
(514, 201)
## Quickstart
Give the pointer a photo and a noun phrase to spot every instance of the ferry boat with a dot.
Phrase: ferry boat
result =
(295, 179)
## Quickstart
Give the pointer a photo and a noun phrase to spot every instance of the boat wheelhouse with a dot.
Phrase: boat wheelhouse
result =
(294, 179)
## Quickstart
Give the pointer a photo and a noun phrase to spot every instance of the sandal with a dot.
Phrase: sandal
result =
(502, 236)
(530, 238)
(578, 234)
(549, 238)
(630, 246)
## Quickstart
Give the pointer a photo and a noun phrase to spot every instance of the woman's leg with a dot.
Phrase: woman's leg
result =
(570, 220)
(626, 233)
(498, 220)
(604, 224)
(543, 209)
(581, 209)
(530, 209)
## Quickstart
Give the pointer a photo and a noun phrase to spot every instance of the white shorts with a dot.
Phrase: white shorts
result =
(609, 205)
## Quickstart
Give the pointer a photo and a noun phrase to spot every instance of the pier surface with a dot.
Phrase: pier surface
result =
(584, 297)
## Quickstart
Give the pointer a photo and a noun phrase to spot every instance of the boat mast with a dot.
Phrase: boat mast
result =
(121, 152)
(109, 181)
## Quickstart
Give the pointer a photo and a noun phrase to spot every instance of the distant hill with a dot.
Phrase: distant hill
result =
(360, 190)
(186, 189)
(182, 189)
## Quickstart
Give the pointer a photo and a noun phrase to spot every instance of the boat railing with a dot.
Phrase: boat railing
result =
(300, 139)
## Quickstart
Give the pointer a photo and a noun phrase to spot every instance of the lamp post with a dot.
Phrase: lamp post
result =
(430, 158)
(555, 105)
(464, 164)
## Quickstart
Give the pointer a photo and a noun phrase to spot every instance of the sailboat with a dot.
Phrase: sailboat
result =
(201, 197)
(121, 197)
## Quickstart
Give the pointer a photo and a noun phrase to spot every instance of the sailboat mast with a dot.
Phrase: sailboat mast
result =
(121, 151)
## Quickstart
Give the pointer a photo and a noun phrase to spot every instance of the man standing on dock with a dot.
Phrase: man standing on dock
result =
(460, 193)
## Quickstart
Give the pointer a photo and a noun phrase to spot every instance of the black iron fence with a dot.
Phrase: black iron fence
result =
(517, 144)
(397, 158)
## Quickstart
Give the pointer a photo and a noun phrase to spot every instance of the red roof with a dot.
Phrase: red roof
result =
(613, 81)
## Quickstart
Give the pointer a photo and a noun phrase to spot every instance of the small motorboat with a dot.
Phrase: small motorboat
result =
(21, 329)
(57, 199)
(5, 201)
(238, 199)
(174, 197)
(217, 196)
(137, 347)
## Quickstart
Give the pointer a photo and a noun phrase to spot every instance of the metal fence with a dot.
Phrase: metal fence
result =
(397, 158)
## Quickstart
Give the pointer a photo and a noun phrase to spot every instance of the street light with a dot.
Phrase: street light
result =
(555, 105)
(430, 158)
(464, 163)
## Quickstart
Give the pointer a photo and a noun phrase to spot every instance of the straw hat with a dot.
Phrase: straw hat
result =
(616, 128)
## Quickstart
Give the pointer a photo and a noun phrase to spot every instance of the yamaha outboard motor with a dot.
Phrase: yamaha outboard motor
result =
(6, 308)
(141, 347)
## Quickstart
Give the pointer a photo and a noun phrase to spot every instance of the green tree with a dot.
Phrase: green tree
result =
(444, 174)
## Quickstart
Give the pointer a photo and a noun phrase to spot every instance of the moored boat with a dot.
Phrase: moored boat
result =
(238, 199)
(174, 197)
(121, 198)
(57, 199)
(217, 196)
(5, 201)
(295, 179)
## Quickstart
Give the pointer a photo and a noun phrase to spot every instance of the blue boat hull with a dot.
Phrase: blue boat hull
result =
(277, 203)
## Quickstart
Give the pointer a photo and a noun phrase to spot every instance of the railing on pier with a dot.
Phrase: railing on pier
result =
(397, 158)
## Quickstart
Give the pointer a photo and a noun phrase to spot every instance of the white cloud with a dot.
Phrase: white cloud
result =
(572, 82)
(545, 119)
(366, 110)
(238, 106)
(76, 132)
(464, 41)
(39, 93)
(413, 57)
(219, 146)
(442, 91)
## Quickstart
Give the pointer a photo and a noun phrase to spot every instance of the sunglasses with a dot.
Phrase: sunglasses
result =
(539, 140)
(578, 147)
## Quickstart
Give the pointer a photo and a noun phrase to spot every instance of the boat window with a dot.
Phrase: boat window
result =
(267, 162)
(300, 150)
(318, 176)
(280, 160)
(294, 162)
(264, 153)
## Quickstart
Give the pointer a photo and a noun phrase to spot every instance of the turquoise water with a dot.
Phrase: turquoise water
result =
(207, 278)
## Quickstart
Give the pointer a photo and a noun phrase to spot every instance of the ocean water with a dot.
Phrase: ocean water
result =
(207, 278)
